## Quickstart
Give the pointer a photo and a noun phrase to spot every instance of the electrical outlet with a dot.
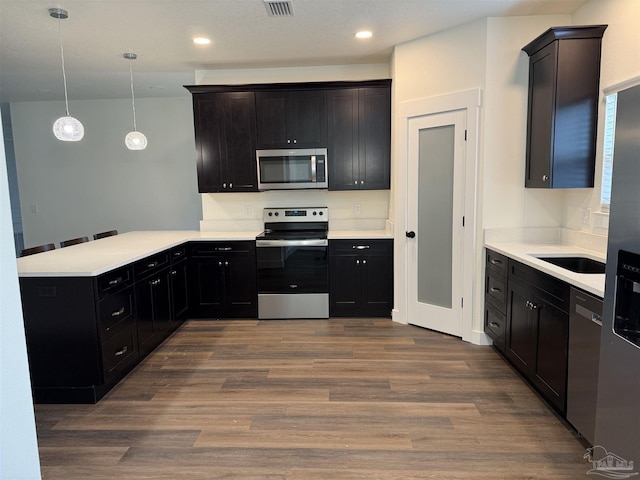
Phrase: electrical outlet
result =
(356, 208)
(586, 216)
(34, 208)
(248, 210)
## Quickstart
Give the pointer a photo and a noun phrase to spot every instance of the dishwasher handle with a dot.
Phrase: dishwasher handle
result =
(588, 314)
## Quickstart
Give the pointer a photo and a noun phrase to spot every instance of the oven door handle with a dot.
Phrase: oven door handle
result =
(316, 242)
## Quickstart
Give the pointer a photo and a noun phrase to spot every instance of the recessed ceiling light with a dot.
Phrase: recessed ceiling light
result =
(364, 34)
(201, 41)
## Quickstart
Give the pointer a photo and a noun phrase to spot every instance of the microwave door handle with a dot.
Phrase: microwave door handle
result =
(313, 168)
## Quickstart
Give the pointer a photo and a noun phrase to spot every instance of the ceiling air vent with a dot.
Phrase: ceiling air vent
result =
(279, 8)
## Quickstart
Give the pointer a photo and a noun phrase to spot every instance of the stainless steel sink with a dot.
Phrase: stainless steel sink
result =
(576, 264)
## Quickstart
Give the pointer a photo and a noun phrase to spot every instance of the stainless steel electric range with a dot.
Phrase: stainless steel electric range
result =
(293, 270)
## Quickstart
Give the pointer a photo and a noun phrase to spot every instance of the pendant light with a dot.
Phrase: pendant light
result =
(66, 128)
(134, 140)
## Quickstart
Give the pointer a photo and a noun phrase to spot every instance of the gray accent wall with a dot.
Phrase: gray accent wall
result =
(73, 189)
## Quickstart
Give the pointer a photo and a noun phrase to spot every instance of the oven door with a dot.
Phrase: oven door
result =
(292, 267)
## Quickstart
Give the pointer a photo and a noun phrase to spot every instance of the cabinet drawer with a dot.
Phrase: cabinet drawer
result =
(496, 291)
(497, 263)
(115, 311)
(150, 264)
(114, 280)
(119, 351)
(495, 325)
(547, 287)
(361, 247)
(207, 249)
(178, 253)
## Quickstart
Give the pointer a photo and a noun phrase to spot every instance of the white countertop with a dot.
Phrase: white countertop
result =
(358, 234)
(100, 256)
(527, 252)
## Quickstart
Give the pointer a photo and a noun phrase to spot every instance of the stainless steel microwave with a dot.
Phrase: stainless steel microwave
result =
(288, 169)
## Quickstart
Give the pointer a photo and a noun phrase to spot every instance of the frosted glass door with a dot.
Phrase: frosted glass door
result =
(435, 236)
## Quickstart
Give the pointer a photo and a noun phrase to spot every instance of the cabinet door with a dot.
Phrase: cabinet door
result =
(238, 159)
(179, 291)
(271, 114)
(345, 286)
(291, 119)
(154, 310)
(550, 372)
(342, 137)
(377, 283)
(208, 127)
(520, 341)
(308, 118)
(374, 157)
(207, 292)
(241, 291)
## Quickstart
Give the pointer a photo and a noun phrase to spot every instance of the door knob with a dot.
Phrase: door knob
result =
(410, 234)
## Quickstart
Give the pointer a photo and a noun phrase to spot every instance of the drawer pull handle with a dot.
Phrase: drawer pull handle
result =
(361, 247)
(178, 254)
(226, 264)
(117, 313)
(224, 249)
(173, 272)
(115, 281)
(122, 351)
(152, 264)
(496, 262)
(293, 286)
(495, 290)
(153, 283)
(494, 325)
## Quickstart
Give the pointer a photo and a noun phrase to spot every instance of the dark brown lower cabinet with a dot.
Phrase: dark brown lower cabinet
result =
(537, 331)
(81, 334)
(360, 278)
(153, 296)
(223, 275)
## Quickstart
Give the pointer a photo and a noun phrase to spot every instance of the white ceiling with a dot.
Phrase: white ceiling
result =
(320, 32)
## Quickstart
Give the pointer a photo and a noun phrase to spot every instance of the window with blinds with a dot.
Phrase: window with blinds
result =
(611, 102)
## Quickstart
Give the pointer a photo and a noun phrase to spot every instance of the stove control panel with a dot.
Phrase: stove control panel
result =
(307, 214)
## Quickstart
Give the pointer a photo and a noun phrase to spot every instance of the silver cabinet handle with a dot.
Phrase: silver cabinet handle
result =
(224, 185)
(545, 178)
(495, 290)
(117, 313)
(293, 285)
(361, 247)
(361, 182)
(295, 141)
(356, 182)
(496, 262)
(230, 185)
(494, 325)
(223, 249)
(288, 140)
(116, 281)
(226, 264)
(122, 351)
(219, 264)
(153, 283)
(364, 262)
(178, 254)
(152, 264)
(357, 262)
(173, 272)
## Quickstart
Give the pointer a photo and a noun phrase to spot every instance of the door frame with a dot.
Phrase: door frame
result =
(471, 101)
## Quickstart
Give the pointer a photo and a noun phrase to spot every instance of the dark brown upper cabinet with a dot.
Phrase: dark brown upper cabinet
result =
(564, 78)
(225, 133)
(359, 134)
(291, 119)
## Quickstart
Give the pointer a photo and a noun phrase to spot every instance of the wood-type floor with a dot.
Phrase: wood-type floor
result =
(330, 399)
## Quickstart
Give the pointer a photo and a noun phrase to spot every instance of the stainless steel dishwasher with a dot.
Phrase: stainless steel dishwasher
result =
(585, 326)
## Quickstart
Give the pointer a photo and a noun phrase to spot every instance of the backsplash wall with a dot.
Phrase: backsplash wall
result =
(243, 211)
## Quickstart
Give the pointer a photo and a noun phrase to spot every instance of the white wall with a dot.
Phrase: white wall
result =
(97, 184)
(18, 446)
(620, 62)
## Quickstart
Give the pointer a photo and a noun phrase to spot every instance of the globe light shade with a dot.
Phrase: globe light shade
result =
(135, 140)
(68, 129)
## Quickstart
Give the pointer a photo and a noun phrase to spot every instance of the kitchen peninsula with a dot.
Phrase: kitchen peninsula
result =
(93, 311)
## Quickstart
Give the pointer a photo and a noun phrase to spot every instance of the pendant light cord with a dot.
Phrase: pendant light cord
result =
(133, 98)
(64, 73)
